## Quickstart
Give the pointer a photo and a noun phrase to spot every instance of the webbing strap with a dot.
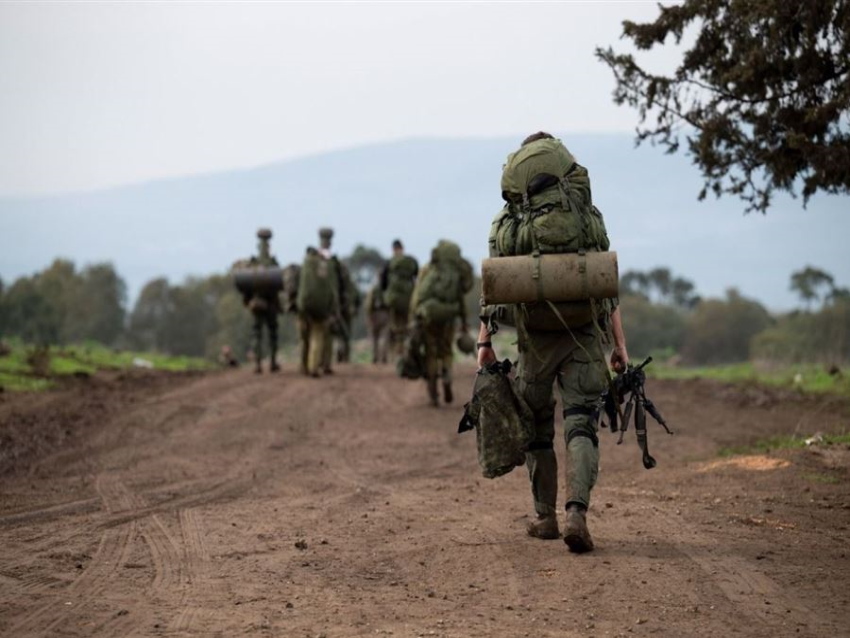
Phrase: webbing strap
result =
(578, 409)
(537, 446)
(582, 271)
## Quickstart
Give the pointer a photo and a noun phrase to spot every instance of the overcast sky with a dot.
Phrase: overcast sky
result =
(100, 94)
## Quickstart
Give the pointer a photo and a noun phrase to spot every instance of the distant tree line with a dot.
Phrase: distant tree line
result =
(662, 314)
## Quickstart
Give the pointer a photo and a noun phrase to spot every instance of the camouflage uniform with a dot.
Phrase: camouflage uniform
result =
(342, 327)
(438, 336)
(314, 332)
(378, 318)
(546, 358)
(335, 325)
(264, 308)
(399, 316)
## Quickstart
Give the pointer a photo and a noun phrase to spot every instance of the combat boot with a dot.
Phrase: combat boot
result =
(545, 527)
(576, 534)
(274, 366)
(448, 397)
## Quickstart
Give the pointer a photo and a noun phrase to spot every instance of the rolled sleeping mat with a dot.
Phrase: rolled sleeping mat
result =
(551, 277)
(258, 280)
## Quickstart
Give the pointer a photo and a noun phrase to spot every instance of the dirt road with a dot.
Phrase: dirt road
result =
(231, 504)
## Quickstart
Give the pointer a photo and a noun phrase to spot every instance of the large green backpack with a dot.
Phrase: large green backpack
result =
(548, 209)
(318, 285)
(442, 285)
(401, 278)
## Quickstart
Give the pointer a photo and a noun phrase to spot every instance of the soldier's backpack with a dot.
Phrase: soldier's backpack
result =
(401, 278)
(442, 285)
(548, 209)
(502, 421)
(317, 288)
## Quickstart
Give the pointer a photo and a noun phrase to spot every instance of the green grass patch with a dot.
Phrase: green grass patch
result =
(17, 374)
(804, 378)
(782, 442)
(820, 477)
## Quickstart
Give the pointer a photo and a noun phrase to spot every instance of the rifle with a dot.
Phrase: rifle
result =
(631, 382)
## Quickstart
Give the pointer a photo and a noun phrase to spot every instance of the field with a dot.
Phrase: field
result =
(31, 369)
(147, 503)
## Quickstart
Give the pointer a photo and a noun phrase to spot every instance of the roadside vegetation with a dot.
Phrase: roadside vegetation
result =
(33, 368)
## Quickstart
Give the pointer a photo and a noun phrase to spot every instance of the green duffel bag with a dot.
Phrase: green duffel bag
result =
(503, 422)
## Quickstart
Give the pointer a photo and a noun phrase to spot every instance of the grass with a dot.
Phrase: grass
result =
(17, 373)
(804, 378)
(782, 442)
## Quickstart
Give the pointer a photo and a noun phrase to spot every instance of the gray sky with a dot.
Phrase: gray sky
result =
(102, 94)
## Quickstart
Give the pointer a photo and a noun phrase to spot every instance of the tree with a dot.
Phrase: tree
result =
(720, 331)
(808, 282)
(364, 264)
(761, 96)
(149, 315)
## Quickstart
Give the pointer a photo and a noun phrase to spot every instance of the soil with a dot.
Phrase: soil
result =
(232, 504)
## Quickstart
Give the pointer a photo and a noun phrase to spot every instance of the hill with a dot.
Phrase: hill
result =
(422, 190)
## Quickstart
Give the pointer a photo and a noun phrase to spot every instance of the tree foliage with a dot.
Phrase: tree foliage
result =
(60, 305)
(761, 97)
(364, 264)
(661, 286)
(720, 330)
(812, 284)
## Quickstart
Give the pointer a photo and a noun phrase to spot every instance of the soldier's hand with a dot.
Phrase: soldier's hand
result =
(486, 356)
(619, 359)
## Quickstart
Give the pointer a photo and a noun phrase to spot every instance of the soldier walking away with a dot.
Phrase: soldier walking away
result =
(437, 304)
(549, 210)
(378, 319)
(335, 322)
(264, 306)
(318, 303)
(348, 312)
(397, 281)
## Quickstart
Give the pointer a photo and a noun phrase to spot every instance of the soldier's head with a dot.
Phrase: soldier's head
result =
(325, 237)
(539, 135)
(264, 235)
(398, 248)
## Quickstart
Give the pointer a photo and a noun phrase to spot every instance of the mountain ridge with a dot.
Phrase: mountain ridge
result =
(421, 189)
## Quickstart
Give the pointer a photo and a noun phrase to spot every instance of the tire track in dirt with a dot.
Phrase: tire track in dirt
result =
(112, 552)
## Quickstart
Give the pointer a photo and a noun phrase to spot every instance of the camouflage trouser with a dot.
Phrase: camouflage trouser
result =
(268, 319)
(398, 332)
(438, 350)
(546, 358)
(313, 337)
(378, 327)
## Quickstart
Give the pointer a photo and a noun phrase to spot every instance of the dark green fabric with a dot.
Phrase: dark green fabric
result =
(560, 218)
(504, 424)
(401, 278)
(318, 288)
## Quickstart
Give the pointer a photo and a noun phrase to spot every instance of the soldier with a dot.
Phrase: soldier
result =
(336, 324)
(534, 220)
(437, 303)
(397, 281)
(318, 304)
(342, 327)
(264, 307)
(378, 318)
